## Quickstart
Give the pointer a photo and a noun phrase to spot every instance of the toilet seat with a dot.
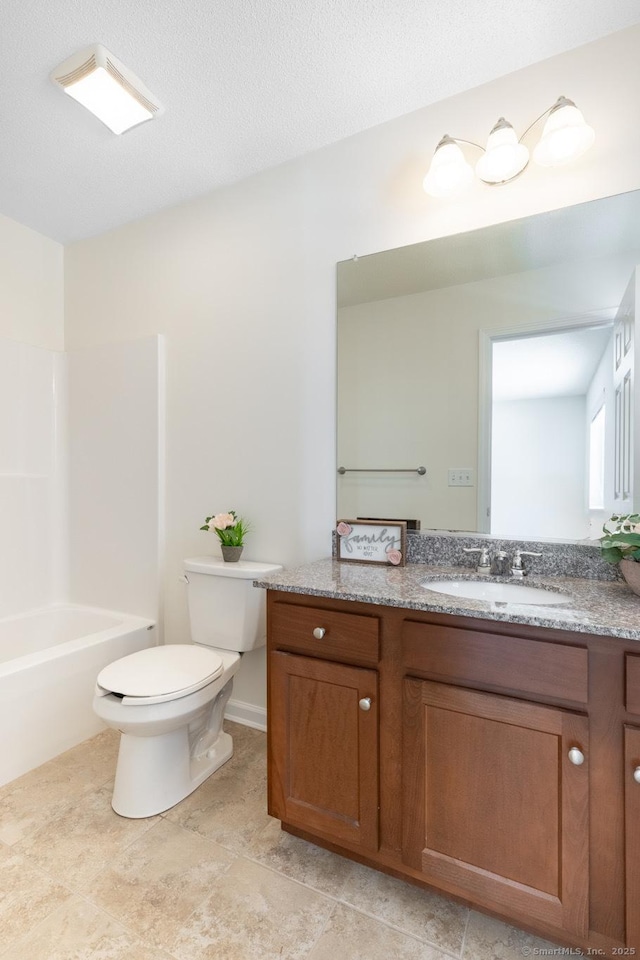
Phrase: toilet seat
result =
(158, 674)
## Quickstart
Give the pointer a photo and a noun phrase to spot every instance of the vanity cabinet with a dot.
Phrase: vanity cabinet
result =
(491, 761)
(632, 826)
(496, 787)
(632, 798)
(323, 723)
(494, 805)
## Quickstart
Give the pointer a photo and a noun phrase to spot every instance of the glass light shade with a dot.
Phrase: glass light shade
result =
(565, 137)
(101, 93)
(504, 158)
(449, 172)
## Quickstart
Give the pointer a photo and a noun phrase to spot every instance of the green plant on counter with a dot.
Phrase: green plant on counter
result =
(621, 540)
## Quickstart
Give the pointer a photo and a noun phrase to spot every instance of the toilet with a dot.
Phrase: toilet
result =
(168, 701)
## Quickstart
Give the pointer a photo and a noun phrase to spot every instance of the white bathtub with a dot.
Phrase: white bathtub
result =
(49, 661)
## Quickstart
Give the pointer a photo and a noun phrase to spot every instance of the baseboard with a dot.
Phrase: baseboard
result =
(247, 714)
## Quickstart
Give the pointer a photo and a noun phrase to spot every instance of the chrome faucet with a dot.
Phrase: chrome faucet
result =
(500, 564)
(517, 569)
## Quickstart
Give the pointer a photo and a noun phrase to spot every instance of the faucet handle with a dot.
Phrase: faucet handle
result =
(516, 564)
(525, 553)
(483, 560)
(483, 551)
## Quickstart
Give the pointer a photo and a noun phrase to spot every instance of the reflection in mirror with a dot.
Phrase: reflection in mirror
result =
(502, 360)
(546, 389)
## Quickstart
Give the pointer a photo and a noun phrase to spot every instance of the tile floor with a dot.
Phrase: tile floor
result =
(214, 877)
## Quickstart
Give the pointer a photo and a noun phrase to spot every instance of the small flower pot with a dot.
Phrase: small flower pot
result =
(630, 570)
(231, 554)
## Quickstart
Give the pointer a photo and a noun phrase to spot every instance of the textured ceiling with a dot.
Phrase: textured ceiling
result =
(246, 85)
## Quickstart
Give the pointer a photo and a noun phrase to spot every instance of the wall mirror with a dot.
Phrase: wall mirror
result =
(501, 361)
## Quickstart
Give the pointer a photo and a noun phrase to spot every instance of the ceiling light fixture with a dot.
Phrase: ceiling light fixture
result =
(102, 84)
(565, 137)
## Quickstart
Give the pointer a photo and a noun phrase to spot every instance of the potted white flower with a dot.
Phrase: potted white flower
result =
(231, 531)
(621, 544)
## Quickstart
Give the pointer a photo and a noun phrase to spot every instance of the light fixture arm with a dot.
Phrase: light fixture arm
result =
(560, 102)
(557, 105)
(448, 139)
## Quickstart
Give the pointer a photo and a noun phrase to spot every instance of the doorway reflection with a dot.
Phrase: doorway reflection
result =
(552, 423)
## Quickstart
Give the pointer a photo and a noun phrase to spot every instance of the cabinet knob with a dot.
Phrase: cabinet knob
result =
(576, 756)
(365, 704)
(319, 632)
(636, 774)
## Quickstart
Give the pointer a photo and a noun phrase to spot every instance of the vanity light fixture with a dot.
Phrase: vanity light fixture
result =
(565, 137)
(102, 84)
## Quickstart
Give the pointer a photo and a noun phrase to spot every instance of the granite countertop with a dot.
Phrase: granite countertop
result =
(605, 608)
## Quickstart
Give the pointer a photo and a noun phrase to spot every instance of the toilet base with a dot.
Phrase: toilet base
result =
(156, 770)
(142, 787)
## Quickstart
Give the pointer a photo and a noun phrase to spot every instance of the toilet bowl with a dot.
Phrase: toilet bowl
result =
(168, 702)
(171, 736)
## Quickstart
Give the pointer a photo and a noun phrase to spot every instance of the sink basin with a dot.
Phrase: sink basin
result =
(494, 592)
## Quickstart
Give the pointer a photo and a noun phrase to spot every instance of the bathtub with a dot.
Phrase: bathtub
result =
(49, 661)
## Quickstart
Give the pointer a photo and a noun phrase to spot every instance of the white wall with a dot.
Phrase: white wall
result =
(31, 286)
(537, 446)
(81, 476)
(242, 284)
(33, 570)
(32, 420)
(116, 475)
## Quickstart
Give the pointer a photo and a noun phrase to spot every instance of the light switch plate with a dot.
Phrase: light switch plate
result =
(460, 477)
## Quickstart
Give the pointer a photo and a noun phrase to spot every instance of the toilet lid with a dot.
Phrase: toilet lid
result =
(161, 673)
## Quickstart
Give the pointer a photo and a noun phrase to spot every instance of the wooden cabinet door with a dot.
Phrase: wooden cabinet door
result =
(323, 748)
(494, 808)
(632, 834)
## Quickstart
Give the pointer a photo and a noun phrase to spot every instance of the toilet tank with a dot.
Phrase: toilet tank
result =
(225, 609)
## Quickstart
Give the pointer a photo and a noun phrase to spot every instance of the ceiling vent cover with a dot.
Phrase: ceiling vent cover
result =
(106, 87)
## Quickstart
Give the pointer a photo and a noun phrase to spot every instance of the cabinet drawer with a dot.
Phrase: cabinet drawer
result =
(633, 683)
(533, 667)
(347, 636)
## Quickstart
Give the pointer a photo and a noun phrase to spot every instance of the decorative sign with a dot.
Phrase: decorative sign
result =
(372, 541)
